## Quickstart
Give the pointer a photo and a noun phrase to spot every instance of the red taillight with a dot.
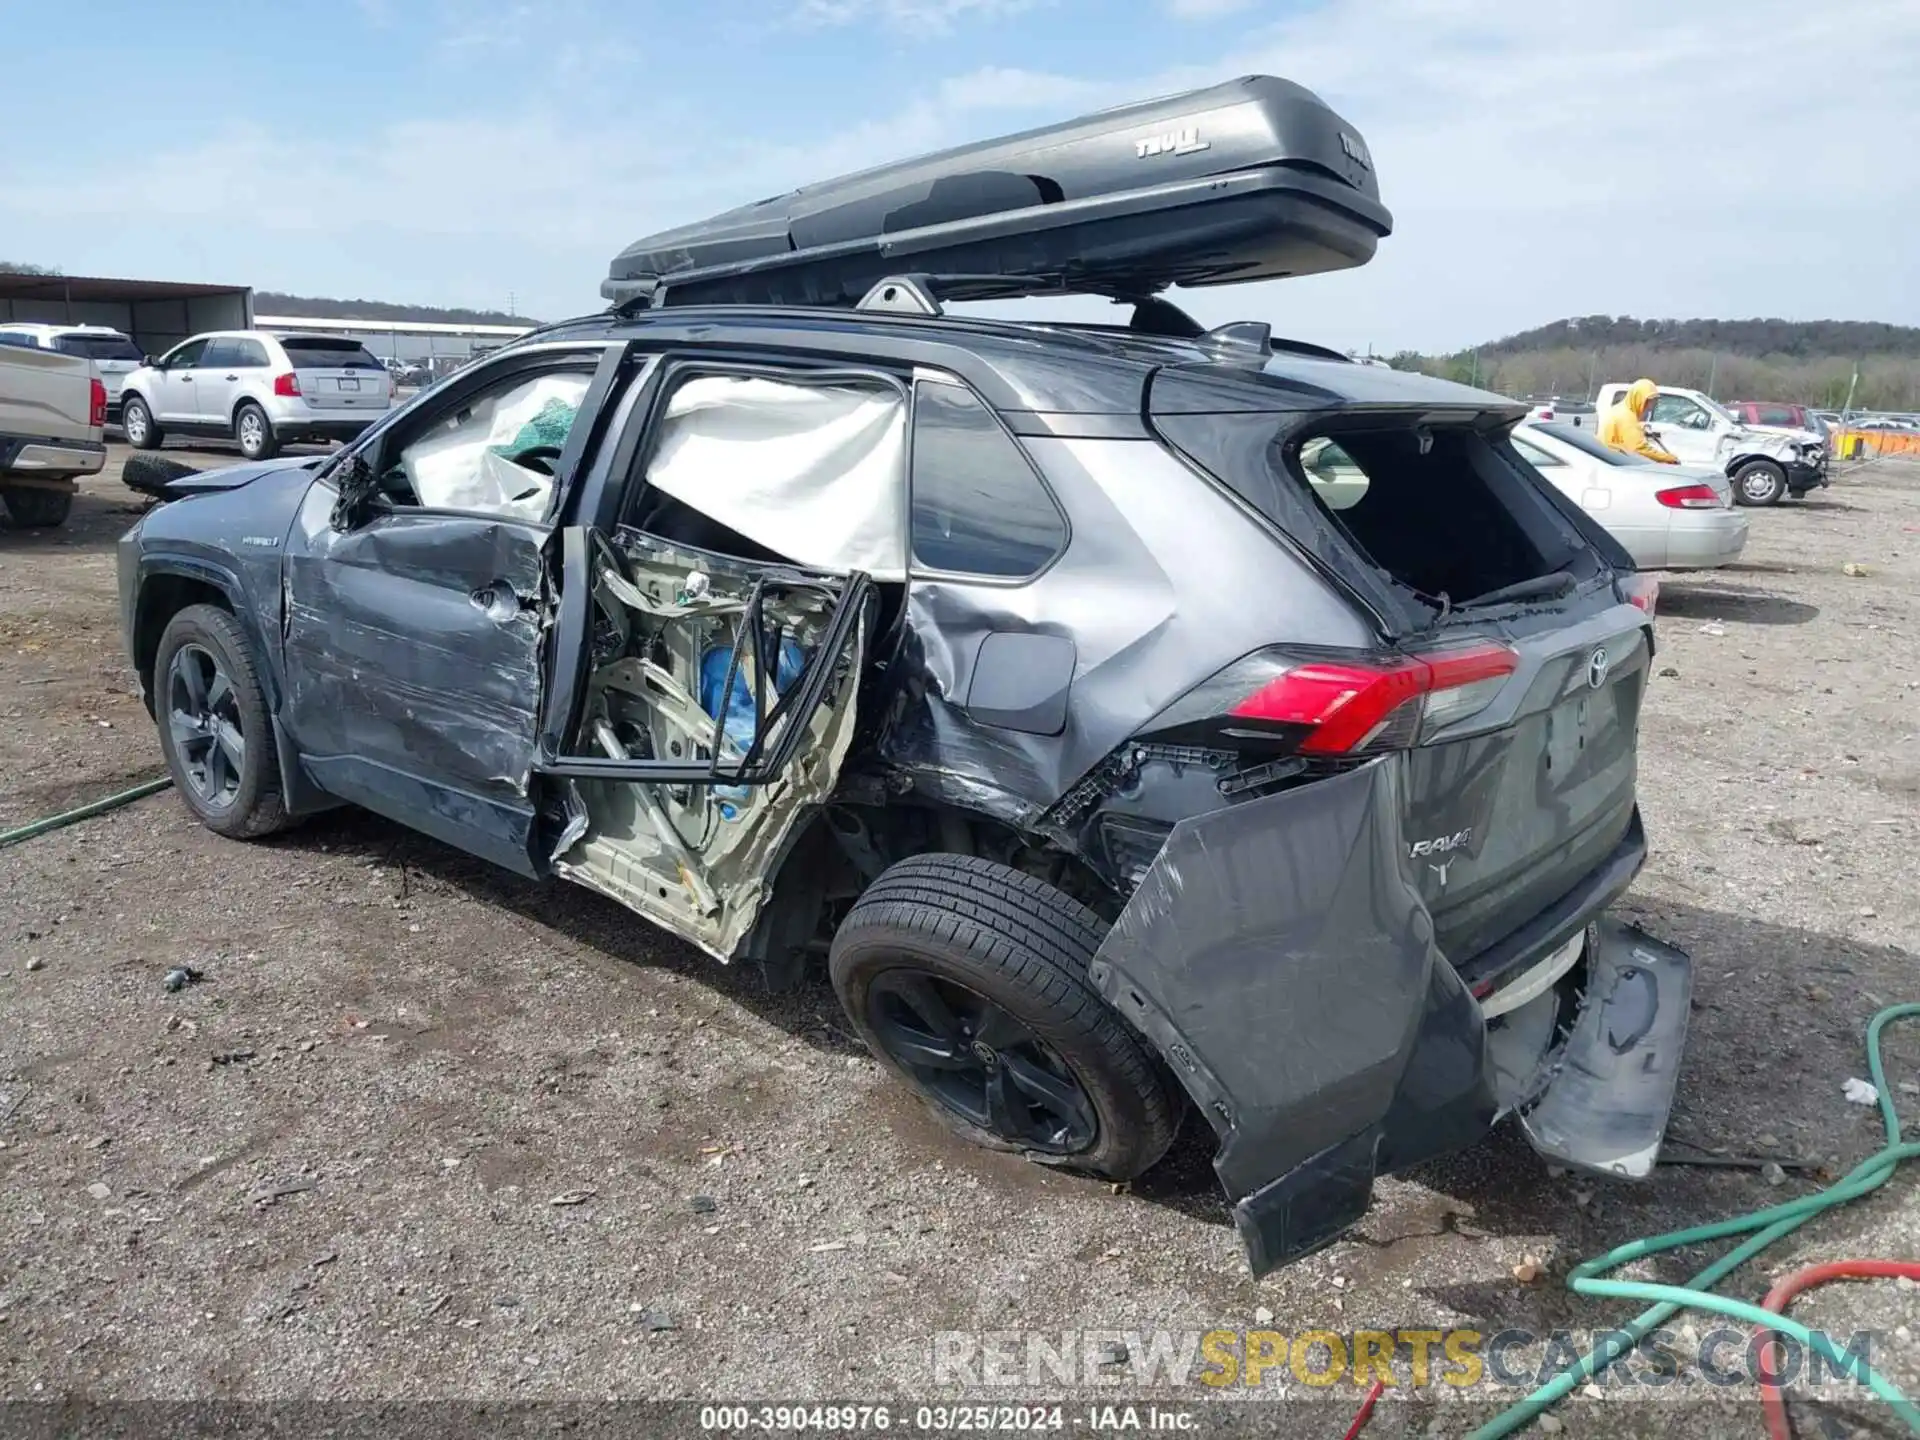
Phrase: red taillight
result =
(1689, 497)
(287, 384)
(1348, 706)
(1640, 591)
(97, 404)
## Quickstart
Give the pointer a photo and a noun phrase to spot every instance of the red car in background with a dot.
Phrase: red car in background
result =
(1766, 412)
(1772, 415)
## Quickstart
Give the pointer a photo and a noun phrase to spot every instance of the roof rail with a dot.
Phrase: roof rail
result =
(1152, 315)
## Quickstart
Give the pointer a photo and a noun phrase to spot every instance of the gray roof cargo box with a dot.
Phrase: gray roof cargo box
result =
(1248, 180)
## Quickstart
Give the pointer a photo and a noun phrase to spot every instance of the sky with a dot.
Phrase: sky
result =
(1658, 158)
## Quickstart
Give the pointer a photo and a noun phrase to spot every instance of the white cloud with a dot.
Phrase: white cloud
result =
(927, 18)
(1205, 9)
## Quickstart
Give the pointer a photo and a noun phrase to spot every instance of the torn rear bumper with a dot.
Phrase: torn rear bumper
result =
(1606, 1108)
(1279, 956)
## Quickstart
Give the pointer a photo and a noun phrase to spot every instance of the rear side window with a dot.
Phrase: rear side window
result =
(979, 507)
(1777, 415)
(98, 347)
(236, 353)
(17, 339)
(311, 352)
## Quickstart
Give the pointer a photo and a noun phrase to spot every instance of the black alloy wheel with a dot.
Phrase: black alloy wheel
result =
(203, 717)
(980, 1062)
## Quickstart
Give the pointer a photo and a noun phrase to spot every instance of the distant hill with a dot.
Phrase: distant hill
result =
(1750, 339)
(317, 307)
(1811, 362)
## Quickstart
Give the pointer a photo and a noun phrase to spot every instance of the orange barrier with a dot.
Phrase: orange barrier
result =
(1859, 444)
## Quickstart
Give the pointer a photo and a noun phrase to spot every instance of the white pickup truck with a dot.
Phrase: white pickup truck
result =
(1764, 465)
(53, 408)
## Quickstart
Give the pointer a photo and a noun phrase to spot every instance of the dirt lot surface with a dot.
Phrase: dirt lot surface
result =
(425, 1130)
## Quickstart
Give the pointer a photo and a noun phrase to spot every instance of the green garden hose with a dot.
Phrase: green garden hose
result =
(1770, 1225)
(85, 812)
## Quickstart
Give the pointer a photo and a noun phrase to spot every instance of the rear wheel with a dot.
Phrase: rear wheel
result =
(35, 507)
(136, 421)
(1759, 482)
(254, 432)
(214, 726)
(968, 980)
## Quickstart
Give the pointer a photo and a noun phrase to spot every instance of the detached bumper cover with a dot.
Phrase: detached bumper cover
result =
(1606, 1108)
(1283, 963)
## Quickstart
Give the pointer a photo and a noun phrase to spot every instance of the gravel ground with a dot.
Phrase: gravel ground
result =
(425, 1130)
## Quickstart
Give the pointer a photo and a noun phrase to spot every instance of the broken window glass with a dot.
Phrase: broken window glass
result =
(496, 454)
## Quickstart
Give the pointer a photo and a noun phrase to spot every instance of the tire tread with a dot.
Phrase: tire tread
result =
(268, 812)
(1035, 935)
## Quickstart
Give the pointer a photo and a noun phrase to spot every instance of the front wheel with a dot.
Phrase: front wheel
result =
(215, 730)
(1759, 482)
(136, 422)
(37, 507)
(968, 979)
(254, 432)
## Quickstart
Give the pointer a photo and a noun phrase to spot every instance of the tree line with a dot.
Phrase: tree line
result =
(318, 307)
(1803, 362)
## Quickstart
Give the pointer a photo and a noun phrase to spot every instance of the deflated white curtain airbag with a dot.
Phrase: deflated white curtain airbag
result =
(816, 473)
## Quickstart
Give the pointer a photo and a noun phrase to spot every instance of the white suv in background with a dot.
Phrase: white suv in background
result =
(261, 390)
(113, 354)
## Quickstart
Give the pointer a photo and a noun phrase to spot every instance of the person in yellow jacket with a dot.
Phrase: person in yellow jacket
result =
(1620, 427)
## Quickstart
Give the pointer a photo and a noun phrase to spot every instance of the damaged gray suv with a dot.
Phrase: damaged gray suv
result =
(1021, 669)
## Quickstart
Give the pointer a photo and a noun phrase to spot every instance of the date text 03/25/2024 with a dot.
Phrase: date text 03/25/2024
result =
(944, 1419)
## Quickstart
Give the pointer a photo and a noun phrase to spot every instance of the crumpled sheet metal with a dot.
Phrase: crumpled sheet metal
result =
(363, 604)
(1142, 634)
(1280, 958)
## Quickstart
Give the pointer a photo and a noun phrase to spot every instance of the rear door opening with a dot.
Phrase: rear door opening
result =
(711, 705)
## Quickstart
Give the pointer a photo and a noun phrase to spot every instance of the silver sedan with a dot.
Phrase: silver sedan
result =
(1667, 517)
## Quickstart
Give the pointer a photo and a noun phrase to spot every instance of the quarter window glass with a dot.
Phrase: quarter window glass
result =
(978, 506)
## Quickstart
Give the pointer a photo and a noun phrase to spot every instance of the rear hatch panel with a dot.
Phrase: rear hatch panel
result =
(1509, 811)
(1308, 961)
(1513, 806)
(339, 376)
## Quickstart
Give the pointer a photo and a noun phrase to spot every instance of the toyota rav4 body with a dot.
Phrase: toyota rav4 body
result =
(1021, 668)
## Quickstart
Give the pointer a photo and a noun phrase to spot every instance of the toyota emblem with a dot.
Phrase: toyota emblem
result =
(1597, 668)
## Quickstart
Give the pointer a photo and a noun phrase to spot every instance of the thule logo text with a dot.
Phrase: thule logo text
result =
(1184, 141)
